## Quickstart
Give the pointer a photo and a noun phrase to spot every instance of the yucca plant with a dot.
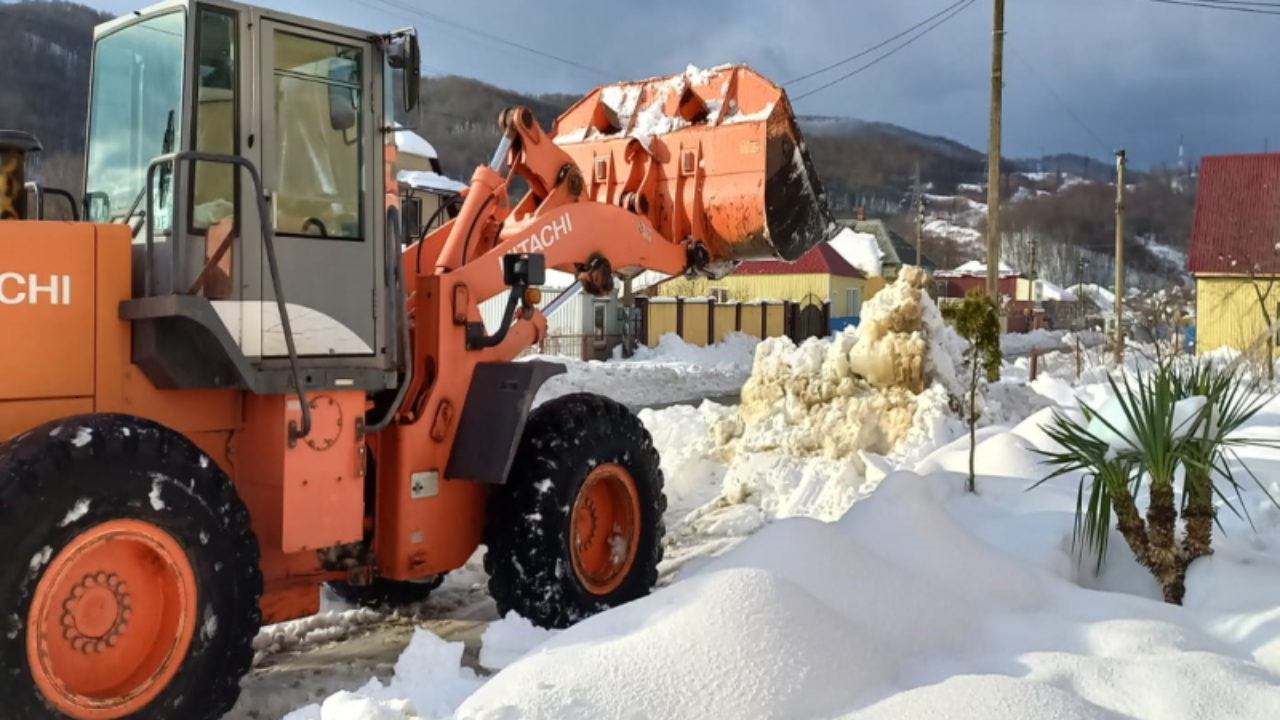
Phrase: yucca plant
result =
(1176, 416)
(1211, 447)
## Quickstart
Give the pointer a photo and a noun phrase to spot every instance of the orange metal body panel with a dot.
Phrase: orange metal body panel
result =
(311, 495)
(121, 386)
(47, 297)
(19, 416)
(75, 358)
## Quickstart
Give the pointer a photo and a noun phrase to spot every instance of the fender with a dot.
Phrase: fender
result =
(493, 417)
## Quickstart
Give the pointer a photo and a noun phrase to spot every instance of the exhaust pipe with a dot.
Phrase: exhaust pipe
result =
(15, 145)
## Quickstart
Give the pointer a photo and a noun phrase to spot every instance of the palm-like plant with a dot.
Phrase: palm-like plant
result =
(1181, 415)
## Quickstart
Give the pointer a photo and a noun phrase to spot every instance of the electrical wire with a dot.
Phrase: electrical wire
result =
(893, 51)
(1207, 4)
(414, 12)
(873, 48)
(1044, 84)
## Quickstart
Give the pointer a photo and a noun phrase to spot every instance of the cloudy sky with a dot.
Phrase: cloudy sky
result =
(1135, 73)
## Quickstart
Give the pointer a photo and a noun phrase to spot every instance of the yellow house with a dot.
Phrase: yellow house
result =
(821, 277)
(1235, 241)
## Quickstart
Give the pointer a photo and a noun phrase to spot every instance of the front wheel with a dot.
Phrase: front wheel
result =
(132, 583)
(578, 526)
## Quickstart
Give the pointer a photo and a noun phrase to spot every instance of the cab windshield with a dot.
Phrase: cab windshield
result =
(134, 113)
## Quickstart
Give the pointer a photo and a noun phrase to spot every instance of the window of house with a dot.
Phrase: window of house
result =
(319, 131)
(719, 294)
(853, 302)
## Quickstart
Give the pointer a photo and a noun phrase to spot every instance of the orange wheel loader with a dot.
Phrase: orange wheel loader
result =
(238, 377)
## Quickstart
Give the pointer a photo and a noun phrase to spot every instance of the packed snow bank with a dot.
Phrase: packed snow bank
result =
(672, 372)
(884, 387)
(920, 598)
(1038, 340)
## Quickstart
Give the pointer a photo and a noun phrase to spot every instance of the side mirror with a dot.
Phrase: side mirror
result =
(524, 270)
(342, 98)
(404, 54)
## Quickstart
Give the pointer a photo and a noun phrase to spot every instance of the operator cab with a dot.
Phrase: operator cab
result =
(247, 148)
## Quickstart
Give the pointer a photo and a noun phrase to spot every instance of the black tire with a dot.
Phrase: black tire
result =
(529, 560)
(383, 593)
(131, 469)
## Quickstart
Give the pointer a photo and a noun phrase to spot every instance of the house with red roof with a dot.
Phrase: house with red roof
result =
(822, 278)
(1235, 250)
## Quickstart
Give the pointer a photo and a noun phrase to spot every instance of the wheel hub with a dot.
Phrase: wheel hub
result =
(96, 612)
(111, 620)
(604, 528)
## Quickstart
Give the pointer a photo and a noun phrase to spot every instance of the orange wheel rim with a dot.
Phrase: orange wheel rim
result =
(111, 620)
(604, 528)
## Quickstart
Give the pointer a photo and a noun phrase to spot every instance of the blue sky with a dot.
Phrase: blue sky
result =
(1136, 73)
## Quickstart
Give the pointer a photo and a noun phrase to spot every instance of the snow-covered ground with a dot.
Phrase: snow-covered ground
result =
(823, 561)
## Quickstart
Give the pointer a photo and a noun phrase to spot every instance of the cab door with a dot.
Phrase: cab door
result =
(320, 166)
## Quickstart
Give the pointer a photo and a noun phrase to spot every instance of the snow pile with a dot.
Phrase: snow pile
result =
(1113, 426)
(510, 639)
(920, 598)
(737, 349)
(429, 682)
(1038, 340)
(860, 250)
(672, 372)
(321, 627)
(858, 390)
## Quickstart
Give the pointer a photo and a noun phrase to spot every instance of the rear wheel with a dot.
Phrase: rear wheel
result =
(387, 593)
(578, 526)
(133, 585)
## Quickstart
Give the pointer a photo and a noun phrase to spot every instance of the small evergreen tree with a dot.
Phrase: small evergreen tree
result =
(977, 321)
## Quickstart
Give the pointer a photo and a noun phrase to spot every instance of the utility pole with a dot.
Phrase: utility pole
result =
(1121, 161)
(1035, 303)
(993, 155)
(920, 204)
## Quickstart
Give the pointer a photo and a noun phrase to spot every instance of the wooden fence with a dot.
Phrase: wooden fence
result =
(702, 321)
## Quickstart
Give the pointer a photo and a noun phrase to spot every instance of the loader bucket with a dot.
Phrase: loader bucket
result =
(709, 155)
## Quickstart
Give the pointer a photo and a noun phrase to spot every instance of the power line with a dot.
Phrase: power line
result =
(893, 51)
(1220, 6)
(1246, 3)
(873, 48)
(1065, 105)
(441, 19)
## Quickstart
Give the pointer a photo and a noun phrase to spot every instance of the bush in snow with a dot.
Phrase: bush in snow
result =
(977, 322)
(1179, 416)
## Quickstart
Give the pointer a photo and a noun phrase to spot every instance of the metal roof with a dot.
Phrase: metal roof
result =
(1237, 219)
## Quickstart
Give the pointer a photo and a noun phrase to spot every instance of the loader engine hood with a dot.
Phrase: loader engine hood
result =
(713, 156)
